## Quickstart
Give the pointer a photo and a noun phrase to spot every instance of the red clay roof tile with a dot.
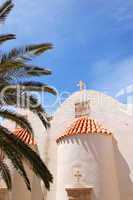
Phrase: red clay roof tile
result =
(84, 125)
(24, 135)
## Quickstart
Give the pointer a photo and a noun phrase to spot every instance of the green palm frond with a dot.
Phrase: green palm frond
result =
(9, 65)
(15, 117)
(5, 10)
(37, 49)
(5, 174)
(44, 119)
(3, 85)
(13, 67)
(8, 96)
(11, 72)
(38, 167)
(35, 161)
(24, 53)
(29, 102)
(4, 38)
(37, 86)
(9, 99)
(16, 58)
(34, 101)
(13, 154)
(39, 110)
(37, 71)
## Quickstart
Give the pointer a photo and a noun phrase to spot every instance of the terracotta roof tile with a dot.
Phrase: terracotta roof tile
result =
(24, 135)
(84, 125)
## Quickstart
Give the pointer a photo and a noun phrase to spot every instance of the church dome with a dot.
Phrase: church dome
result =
(84, 125)
(24, 135)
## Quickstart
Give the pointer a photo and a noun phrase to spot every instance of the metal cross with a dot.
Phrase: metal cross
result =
(81, 85)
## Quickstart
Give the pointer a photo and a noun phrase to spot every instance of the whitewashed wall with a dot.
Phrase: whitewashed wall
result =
(112, 115)
(94, 157)
(104, 109)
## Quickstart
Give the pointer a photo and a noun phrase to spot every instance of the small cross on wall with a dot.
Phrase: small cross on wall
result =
(78, 176)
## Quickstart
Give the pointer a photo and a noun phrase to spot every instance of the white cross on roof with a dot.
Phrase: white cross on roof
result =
(81, 85)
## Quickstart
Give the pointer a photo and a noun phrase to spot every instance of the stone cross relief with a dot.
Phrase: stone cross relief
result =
(78, 176)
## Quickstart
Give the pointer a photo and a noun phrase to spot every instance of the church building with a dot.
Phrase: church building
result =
(88, 149)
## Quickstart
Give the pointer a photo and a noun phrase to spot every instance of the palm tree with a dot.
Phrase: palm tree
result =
(16, 63)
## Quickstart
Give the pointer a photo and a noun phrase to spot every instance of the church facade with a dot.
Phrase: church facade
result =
(88, 150)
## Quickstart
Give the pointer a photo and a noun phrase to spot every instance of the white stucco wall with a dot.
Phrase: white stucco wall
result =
(19, 189)
(52, 166)
(93, 155)
(113, 115)
(104, 109)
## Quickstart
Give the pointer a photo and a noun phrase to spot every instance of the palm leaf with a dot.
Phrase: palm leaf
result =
(32, 157)
(4, 38)
(12, 62)
(16, 57)
(29, 102)
(5, 10)
(15, 117)
(24, 70)
(24, 53)
(44, 119)
(8, 95)
(38, 49)
(9, 65)
(5, 174)
(3, 85)
(37, 71)
(9, 99)
(35, 161)
(11, 151)
(37, 86)
(38, 110)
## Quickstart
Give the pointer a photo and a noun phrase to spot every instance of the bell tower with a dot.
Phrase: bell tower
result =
(82, 107)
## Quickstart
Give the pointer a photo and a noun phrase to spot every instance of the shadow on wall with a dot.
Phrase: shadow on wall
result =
(125, 183)
(93, 144)
(103, 165)
(122, 168)
(91, 156)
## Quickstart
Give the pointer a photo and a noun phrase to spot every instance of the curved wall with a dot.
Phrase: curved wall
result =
(93, 155)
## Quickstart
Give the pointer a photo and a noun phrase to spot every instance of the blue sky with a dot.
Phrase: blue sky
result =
(93, 40)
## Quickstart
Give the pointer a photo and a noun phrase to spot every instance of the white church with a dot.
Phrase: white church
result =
(88, 149)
